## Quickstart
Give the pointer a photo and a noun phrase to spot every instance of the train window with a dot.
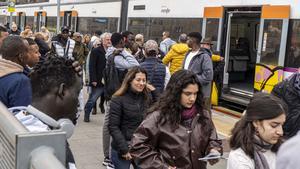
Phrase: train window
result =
(90, 25)
(271, 42)
(51, 23)
(292, 58)
(30, 1)
(175, 26)
(212, 28)
(139, 25)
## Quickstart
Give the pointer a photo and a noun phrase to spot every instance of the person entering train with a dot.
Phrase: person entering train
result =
(177, 130)
(63, 45)
(176, 54)
(257, 136)
(199, 62)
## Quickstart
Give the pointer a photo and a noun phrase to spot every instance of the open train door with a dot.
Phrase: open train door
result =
(69, 18)
(21, 20)
(271, 47)
(212, 28)
(39, 20)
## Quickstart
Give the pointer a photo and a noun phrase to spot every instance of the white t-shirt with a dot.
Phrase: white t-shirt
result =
(189, 58)
(239, 160)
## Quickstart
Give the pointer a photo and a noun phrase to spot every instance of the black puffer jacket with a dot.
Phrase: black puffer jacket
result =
(125, 115)
(286, 91)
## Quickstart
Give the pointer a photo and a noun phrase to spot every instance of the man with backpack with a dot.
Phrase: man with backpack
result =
(118, 62)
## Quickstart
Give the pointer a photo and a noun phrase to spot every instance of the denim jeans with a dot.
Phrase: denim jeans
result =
(119, 162)
(95, 93)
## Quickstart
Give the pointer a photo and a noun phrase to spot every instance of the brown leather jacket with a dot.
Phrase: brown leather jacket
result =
(157, 144)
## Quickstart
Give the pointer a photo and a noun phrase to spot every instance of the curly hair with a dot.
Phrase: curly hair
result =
(50, 73)
(169, 103)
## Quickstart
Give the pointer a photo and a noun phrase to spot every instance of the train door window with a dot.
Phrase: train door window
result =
(293, 45)
(271, 47)
(39, 20)
(271, 42)
(212, 25)
(21, 20)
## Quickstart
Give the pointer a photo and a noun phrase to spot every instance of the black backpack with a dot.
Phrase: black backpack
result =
(112, 76)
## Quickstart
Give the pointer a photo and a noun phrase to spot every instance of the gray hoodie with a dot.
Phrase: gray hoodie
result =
(123, 61)
(201, 65)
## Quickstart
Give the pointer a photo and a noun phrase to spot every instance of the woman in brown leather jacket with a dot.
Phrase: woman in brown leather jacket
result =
(178, 130)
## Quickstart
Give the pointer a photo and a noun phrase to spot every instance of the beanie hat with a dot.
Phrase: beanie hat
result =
(264, 106)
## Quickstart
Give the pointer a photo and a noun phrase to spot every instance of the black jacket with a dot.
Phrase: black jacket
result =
(286, 91)
(97, 65)
(126, 114)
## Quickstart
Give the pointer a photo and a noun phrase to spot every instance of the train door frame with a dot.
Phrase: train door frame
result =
(227, 48)
(41, 18)
(73, 22)
(268, 75)
(213, 13)
(19, 22)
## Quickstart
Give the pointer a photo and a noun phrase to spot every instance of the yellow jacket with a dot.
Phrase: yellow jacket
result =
(176, 56)
(216, 58)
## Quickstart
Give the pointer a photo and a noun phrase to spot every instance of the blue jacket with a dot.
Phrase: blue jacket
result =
(156, 72)
(15, 86)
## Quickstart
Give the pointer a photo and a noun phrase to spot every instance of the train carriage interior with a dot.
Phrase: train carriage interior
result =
(243, 51)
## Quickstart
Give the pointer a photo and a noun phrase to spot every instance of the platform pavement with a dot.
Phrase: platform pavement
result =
(86, 144)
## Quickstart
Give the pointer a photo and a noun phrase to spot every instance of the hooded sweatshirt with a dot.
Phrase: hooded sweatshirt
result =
(176, 56)
(15, 86)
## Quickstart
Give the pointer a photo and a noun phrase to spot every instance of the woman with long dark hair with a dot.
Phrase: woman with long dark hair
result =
(127, 110)
(177, 130)
(257, 136)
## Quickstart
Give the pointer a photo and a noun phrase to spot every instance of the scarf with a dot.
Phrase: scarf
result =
(297, 83)
(187, 116)
(259, 148)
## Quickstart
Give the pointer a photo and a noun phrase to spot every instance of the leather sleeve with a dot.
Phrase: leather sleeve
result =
(144, 143)
(214, 141)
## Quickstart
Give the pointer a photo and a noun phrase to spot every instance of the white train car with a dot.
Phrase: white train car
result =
(259, 39)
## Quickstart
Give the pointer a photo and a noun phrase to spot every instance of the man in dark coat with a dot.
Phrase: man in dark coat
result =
(289, 91)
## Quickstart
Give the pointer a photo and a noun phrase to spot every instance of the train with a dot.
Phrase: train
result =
(259, 39)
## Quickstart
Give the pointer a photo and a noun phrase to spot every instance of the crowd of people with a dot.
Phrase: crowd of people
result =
(155, 98)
